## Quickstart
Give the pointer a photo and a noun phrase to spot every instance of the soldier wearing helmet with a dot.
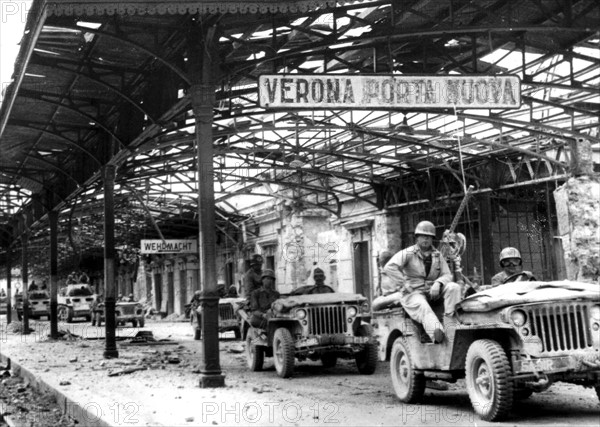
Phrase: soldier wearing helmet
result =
(262, 298)
(253, 277)
(319, 287)
(421, 274)
(512, 267)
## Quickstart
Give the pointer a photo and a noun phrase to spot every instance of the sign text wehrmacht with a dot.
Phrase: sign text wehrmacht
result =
(169, 246)
(379, 91)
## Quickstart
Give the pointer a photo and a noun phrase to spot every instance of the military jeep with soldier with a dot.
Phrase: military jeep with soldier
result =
(507, 342)
(322, 327)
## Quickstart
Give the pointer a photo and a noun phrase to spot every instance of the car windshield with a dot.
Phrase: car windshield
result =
(39, 295)
(80, 291)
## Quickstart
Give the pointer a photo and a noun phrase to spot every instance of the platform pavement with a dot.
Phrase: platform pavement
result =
(169, 397)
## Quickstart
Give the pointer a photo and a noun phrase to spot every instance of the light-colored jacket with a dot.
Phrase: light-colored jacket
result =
(408, 267)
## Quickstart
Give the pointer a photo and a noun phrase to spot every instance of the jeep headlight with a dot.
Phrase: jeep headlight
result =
(352, 311)
(518, 317)
(595, 312)
(301, 314)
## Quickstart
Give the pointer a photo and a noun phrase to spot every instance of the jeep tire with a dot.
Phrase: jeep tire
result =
(366, 359)
(238, 333)
(134, 323)
(141, 322)
(487, 377)
(255, 354)
(409, 384)
(283, 352)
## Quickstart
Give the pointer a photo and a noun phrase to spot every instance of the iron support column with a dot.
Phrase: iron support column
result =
(53, 219)
(203, 97)
(25, 280)
(9, 307)
(110, 350)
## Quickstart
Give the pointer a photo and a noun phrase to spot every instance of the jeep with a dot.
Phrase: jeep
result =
(75, 301)
(39, 304)
(506, 342)
(125, 311)
(229, 319)
(321, 326)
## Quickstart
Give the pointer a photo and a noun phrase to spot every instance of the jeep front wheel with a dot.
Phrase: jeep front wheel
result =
(366, 359)
(487, 377)
(598, 391)
(409, 384)
(255, 355)
(283, 352)
(141, 322)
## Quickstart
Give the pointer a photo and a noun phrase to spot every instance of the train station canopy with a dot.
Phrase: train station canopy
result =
(107, 82)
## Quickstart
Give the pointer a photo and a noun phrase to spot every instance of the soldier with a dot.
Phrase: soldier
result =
(72, 278)
(511, 263)
(319, 287)
(232, 293)
(422, 274)
(253, 277)
(261, 300)
(195, 316)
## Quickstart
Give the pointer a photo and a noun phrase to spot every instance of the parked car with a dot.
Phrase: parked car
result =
(131, 311)
(75, 301)
(507, 342)
(229, 318)
(317, 327)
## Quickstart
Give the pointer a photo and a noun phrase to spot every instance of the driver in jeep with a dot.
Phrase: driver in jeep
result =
(422, 275)
(512, 268)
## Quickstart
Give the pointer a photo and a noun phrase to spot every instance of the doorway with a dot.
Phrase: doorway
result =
(362, 268)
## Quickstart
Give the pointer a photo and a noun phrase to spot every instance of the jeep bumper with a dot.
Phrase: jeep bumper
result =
(549, 365)
(326, 340)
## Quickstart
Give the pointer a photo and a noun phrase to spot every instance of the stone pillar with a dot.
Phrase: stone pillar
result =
(167, 290)
(156, 284)
(179, 284)
(578, 211)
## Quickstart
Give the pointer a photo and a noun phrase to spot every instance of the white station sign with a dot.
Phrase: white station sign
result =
(388, 91)
(183, 246)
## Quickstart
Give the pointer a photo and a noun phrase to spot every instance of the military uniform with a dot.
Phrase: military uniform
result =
(407, 269)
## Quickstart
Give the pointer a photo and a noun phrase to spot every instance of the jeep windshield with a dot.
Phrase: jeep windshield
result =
(82, 291)
(36, 295)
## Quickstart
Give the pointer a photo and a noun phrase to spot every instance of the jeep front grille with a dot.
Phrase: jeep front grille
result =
(561, 326)
(127, 309)
(226, 312)
(326, 320)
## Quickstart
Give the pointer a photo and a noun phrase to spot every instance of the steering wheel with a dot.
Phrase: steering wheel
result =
(528, 277)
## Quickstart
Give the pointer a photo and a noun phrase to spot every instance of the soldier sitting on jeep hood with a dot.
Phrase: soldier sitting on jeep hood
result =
(422, 274)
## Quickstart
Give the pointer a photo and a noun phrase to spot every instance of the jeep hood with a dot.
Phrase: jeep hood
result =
(285, 304)
(529, 292)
